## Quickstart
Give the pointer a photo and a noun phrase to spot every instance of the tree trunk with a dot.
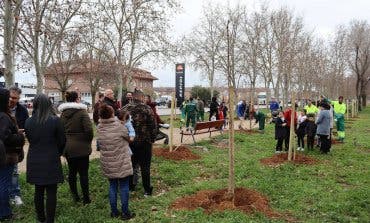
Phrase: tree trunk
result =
(8, 44)
(364, 98)
(39, 78)
(291, 132)
(231, 186)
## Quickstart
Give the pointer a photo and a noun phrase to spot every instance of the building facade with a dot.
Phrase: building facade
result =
(80, 76)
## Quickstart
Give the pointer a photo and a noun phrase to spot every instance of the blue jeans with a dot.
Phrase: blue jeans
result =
(14, 189)
(5, 181)
(123, 185)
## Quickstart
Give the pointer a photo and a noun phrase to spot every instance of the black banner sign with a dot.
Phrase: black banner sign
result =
(180, 83)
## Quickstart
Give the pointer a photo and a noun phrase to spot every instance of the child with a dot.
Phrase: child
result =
(125, 119)
(301, 130)
(310, 131)
(281, 131)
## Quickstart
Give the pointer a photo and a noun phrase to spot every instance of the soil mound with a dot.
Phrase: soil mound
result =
(281, 158)
(246, 200)
(181, 153)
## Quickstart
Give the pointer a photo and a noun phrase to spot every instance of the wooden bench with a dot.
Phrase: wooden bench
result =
(203, 127)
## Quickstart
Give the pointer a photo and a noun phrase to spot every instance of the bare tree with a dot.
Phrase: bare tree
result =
(337, 61)
(41, 28)
(359, 57)
(65, 63)
(286, 29)
(10, 10)
(250, 49)
(135, 29)
(203, 43)
(268, 51)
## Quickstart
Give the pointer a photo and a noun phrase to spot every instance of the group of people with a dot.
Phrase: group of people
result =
(124, 139)
(246, 111)
(312, 122)
(193, 111)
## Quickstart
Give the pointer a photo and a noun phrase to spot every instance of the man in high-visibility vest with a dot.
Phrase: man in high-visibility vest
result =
(339, 111)
(311, 108)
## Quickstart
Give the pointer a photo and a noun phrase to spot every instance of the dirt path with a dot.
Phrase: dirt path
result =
(177, 141)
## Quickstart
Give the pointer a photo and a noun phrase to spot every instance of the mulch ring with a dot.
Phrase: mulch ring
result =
(246, 200)
(281, 158)
(181, 153)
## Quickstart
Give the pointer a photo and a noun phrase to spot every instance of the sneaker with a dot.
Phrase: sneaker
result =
(148, 193)
(277, 152)
(127, 216)
(18, 201)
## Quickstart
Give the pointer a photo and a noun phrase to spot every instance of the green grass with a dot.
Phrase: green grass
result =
(337, 189)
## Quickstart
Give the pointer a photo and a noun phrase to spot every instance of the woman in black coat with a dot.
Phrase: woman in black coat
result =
(12, 148)
(213, 109)
(281, 131)
(45, 133)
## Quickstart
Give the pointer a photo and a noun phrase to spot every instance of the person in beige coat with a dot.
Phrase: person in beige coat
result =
(115, 159)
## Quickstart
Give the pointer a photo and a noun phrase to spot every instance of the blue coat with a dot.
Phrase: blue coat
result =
(241, 109)
(323, 123)
(274, 106)
(47, 142)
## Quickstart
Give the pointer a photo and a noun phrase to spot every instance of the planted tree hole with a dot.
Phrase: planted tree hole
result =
(181, 153)
(246, 200)
(282, 158)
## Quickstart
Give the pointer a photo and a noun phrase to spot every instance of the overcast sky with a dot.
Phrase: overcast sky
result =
(322, 16)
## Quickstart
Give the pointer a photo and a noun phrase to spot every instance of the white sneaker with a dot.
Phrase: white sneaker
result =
(18, 201)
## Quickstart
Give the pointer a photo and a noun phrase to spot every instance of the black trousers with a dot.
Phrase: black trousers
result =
(51, 202)
(310, 141)
(300, 140)
(142, 156)
(79, 165)
(286, 142)
(279, 144)
(325, 143)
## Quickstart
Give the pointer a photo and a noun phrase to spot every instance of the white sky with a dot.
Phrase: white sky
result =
(323, 16)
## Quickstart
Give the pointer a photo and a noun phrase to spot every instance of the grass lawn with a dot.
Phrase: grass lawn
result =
(337, 189)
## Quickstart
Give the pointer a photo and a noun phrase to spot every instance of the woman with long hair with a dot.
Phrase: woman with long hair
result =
(79, 133)
(45, 134)
(12, 142)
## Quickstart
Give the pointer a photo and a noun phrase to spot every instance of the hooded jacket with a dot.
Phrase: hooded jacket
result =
(78, 129)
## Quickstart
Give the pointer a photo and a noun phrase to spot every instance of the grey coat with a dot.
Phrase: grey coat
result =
(323, 123)
(115, 159)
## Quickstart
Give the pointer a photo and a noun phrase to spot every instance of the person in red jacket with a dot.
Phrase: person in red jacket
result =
(287, 117)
